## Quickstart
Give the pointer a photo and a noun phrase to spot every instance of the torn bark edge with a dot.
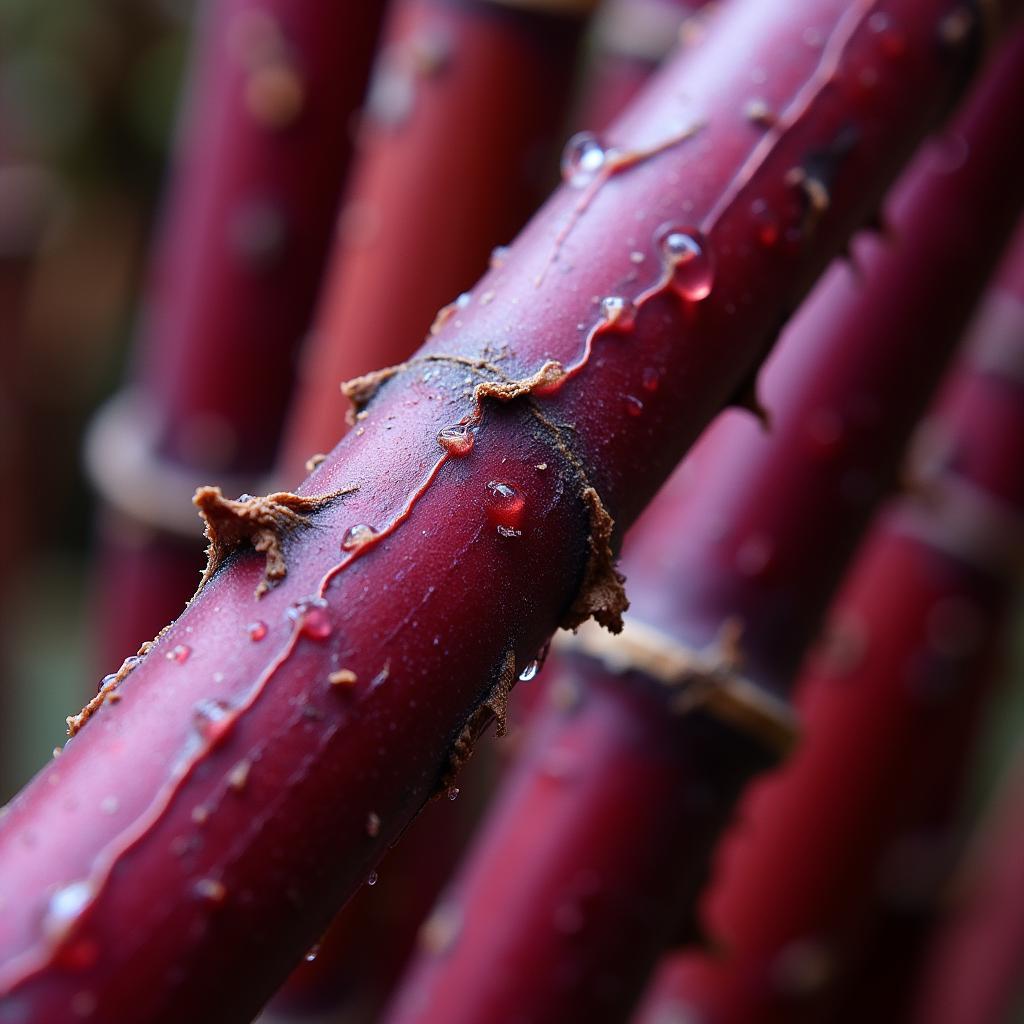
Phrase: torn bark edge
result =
(602, 595)
(109, 685)
(361, 390)
(702, 681)
(494, 705)
(262, 522)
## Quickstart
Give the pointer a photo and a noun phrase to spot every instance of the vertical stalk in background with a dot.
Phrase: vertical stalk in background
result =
(972, 970)
(467, 104)
(263, 144)
(825, 889)
(631, 38)
(595, 852)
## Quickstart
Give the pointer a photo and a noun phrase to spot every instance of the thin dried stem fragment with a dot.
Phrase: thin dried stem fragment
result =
(262, 522)
(707, 681)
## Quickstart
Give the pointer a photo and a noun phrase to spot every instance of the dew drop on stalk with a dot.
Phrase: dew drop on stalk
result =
(313, 953)
(312, 618)
(499, 254)
(211, 890)
(457, 441)
(685, 254)
(212, 720)
(179, 653)
(505, 508)
(256, 630)
(65, 907)
(582, 158)
(356, 536)
(453, 793)
(372, 878)
(634, 407)
(529, 671)
(618, 312)
(106, 681)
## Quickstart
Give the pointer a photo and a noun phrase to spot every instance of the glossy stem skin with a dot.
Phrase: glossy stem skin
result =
(455, 152)
(196, 896)
(839, 860)
(843, 392)
(972, 969)
(262, 149)
(462, 124)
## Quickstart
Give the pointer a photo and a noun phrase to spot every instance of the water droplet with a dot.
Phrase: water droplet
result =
(499, 254)
(453, 793)
(634, 407)
(505, 508)
(582, 158)
(106, 682)
(456, 441)
(373, 825)
(357, 536)
(179, 653)
(650, 379)
(210, 889)
(311, 615)
(618, 312)
(314, 952)
(256, 630)
(686, 255)
(212, 720)
(65, 908)
(529, 671)
(372, 878)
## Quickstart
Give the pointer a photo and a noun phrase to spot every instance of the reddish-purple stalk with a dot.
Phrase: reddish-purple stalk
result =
(190, 844)
(467, 102)
(258, 168)
(822, 894)
(744, 545)
(462, 124)
(972, 970)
